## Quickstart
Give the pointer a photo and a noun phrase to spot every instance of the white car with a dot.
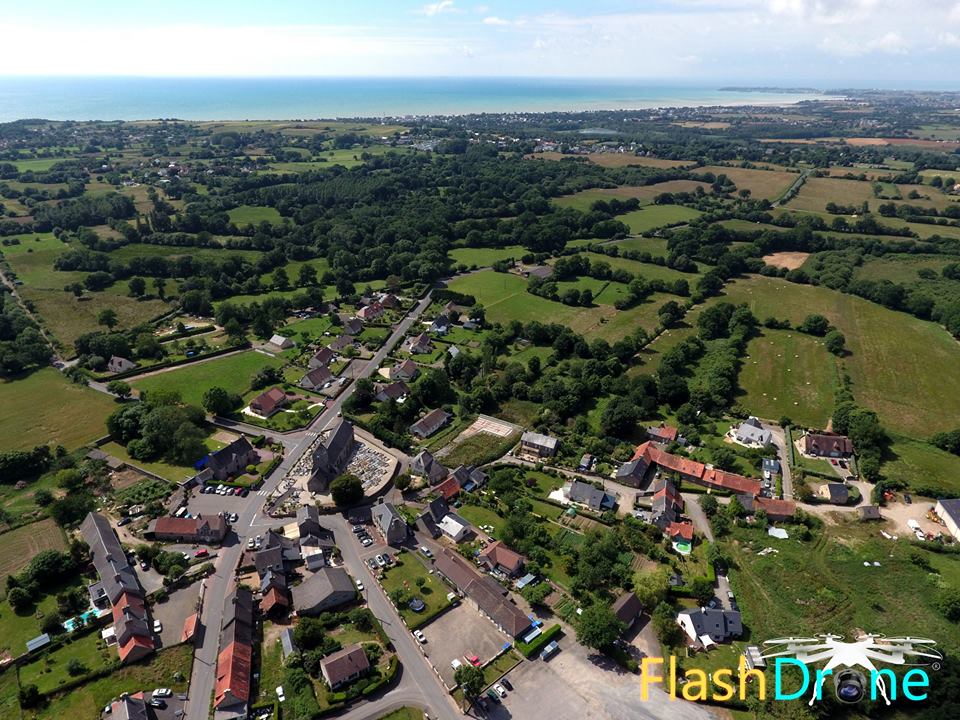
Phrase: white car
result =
(280, 696)
(421, 638)
(499, 689)
(158, 628)
(162, 692)
(359, 586)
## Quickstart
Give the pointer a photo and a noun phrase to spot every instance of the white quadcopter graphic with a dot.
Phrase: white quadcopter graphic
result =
(861, 653)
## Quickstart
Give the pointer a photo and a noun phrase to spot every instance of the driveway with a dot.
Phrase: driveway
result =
(171, 613)
(780, 440)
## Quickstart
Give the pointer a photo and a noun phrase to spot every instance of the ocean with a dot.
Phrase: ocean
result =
(126, 98)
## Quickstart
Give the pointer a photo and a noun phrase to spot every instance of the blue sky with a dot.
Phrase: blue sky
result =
(880, 43)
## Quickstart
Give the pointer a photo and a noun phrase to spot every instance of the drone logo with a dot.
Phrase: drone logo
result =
(850, 683)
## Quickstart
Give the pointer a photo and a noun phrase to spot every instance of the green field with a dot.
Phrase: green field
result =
(50, 673)
(162, 670)
(37, 164)
(133, 250)
(657, 216)
(824, 586)
(922, 465)
(657, 247)
(45, 407)
(505, 298)
(649, 271)
(254, 215)
(899, 365)
(788, 373)
(403, 574)
(232, 372)
(484, 257)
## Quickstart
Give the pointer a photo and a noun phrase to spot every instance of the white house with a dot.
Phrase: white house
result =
(752, 433)
(454, 527)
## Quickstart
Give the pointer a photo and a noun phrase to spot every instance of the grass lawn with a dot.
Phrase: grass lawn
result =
(23, 543)
(788, 373)
(49, 672)
(271, 664)
(657, 216)
(404, 713)
(769, 184)
(484, 257)
(44, 407)
(880, 343)
(479, 449)
(644, 270)
(254, 215)
(478, 515)
(173, 473)
(403, 574)
(312, 328)
(823, 585)
(521, 412)
(500, 666)
(37, 164)
(233, 373)
(655, 246)
(922, 465)
(17, 503)
(161, 670)
(9, 694)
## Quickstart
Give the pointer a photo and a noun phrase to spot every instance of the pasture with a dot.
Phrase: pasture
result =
(899, 365)
(657, 216)
(650, 271)
(231, 372)
(817, 192)
(830, 584)
(644, 193)
(788, 373)
(657, 247)
(506, 299)
(769, 184)
(22, 545)
(46, 408)
(922, 465)
(485, 257)
(254, 215)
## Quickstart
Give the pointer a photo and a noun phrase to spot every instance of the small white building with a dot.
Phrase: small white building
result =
(948, 510)
(284, 343)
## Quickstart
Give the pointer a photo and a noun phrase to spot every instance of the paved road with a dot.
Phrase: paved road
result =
(418, 679)
(783, 454)
(220, 584)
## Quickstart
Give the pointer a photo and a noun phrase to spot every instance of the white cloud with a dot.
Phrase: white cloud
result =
(438, 8)
(493, 20)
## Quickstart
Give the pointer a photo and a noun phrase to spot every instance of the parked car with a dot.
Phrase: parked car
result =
(359, 586)
(713, 603)
(144, 565)
(280, 696)
(550, 650)
(366, 542)
(202, 553)
(250, 544)
(472, 659)
(456, 664)
(357, 529)
(157, 626)
(157, 703)
(124, 521)
(493, 695)
(907, 499)
(506, 683)
(500, 690)
(162, 692)
(244, 492)
(426, 551)
(381, 562)
(371, 563)
(421, 638)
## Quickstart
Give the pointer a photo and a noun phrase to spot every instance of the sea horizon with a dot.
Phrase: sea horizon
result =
(307, 98)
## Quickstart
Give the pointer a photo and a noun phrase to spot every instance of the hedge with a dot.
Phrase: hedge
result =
(530, 649)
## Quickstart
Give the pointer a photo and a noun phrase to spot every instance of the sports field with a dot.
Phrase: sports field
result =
(788, 373)
(232, 372)
(899, 365)
(44, 407)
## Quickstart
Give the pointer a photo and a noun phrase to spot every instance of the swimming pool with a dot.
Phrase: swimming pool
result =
(69, 624)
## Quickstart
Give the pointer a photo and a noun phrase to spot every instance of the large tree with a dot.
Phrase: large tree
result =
(598, 627)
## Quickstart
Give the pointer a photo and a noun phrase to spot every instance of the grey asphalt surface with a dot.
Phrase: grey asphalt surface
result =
(218, 585)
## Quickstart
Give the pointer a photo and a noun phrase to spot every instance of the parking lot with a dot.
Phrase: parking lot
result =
(174, 611)
(213, 504)
(172, 707)
(459, 632)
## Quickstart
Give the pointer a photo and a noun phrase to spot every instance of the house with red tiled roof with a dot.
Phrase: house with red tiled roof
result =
(449, 488)
(497, 556)
(827, 445)
(665, 434)
(680, 531)
(267, 403)
(204, 530)
(696, 472)
(234, 662)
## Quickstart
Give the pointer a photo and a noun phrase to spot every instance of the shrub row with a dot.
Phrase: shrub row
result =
(530, 649)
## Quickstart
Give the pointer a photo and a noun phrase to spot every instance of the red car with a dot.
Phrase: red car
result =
(472, 659)
(201, 553)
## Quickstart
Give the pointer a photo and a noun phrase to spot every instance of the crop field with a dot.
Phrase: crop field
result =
(232, 372)
(820, 586)
(657, 216)
(882, 345)
(505, 298)
(922, 465)
(254, 215)
(44, 407)
(22, 544)
(485, 257)
(769, 184)
(817, 192)
(788, 373)
(615, 160)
